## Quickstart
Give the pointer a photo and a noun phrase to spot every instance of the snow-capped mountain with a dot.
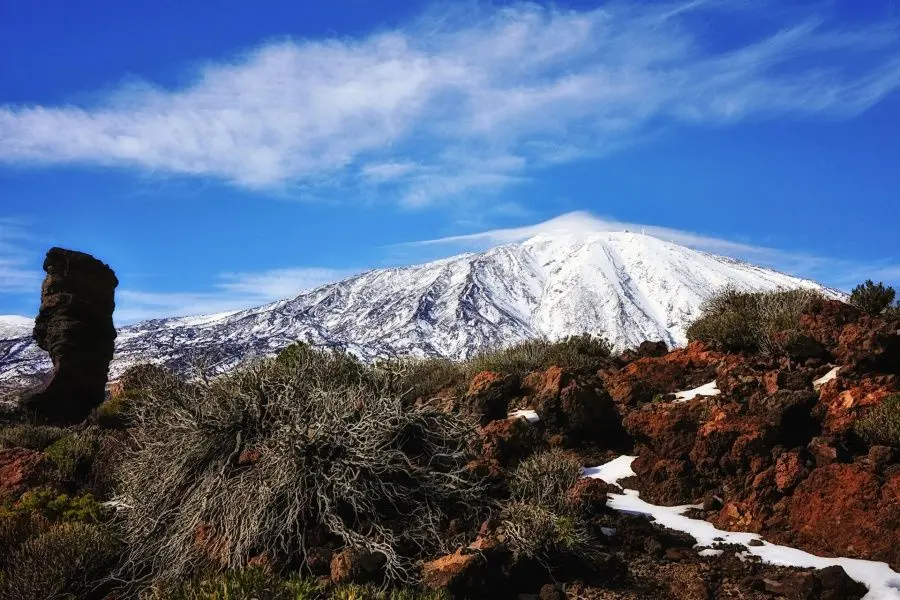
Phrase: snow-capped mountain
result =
(628, 287)
(14, 326)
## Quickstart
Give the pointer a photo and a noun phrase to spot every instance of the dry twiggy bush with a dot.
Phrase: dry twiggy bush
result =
(256, 461)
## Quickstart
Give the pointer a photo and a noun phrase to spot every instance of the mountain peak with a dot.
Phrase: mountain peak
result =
(573, 276)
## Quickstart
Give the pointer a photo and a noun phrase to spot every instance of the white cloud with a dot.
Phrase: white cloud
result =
(233, 291)
(430, 106)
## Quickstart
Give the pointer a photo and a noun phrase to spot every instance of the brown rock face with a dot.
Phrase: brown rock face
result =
(20, 470)
(75, 326)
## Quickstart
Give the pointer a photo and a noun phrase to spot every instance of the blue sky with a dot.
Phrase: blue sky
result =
(221, 155)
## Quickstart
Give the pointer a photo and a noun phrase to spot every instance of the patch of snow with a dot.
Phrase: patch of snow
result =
(708, 389)
(613, 471)
(832, 374)
(525, 413)
(882, 581)
(711, 552)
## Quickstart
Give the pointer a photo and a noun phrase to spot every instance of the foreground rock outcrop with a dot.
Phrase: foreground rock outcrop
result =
(75, 327)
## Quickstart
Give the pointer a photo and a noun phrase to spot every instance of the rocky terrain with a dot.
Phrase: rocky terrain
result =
(797, 446)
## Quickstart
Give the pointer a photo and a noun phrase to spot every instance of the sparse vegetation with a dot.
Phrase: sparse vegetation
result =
(57, 507)
(578, 352)
(60, 560)
(32, 437)
(255, 583)
(873, 298)
(545, 479)
(537, 532)
(881, 425)
(749, 321)
(540, 521)
(259, 458)
(73, 455)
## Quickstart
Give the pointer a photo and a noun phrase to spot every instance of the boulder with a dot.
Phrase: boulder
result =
(847, 510)
(21, 470)
(488, 396)
(75, 326)
(579, 410)
(352, 565)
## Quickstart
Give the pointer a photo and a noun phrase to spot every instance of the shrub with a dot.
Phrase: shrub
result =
(32, 437)
(73, 455)
(748, 321)
(535, 531)
(881, 425)
(579, 352)
(56, 507)
(545, 479)
(65, 560)
(279, 448)
(254, 583)
(871, 297)
(244, 583)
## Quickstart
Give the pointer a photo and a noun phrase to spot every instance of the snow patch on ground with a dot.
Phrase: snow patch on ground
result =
(832, 374)
(707, 389)
(613, 471)
(525, 413)
(883, 583)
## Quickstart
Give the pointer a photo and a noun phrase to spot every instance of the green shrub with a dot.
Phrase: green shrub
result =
(579, 352)
(546, 478)
(254, 583)
(748, 321)
(32, 437)
(333, 448)
(244, 583)
(881, 425)
(67, 560)
(535, 531)
(57, 507)
(872, 298)
(73, 455)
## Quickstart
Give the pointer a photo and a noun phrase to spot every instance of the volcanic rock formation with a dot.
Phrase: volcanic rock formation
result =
(75, 326)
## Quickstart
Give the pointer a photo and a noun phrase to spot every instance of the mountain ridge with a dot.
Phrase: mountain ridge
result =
(629, 287)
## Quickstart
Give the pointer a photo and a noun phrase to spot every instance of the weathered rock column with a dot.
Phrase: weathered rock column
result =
(75, 326)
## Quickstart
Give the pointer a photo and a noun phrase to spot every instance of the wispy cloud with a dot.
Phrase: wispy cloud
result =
(16, 274)
(232, 291)
(837, 272)
(466, 100)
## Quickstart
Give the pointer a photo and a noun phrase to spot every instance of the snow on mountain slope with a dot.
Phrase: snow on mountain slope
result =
(13, 326)
(629, 287)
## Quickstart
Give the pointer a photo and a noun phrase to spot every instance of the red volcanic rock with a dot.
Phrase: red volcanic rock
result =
(578, 409)
(455, 572)
(508, 441)
(356, 566)
(775, 381)
(799, 346)
(668, 428)
(489, 395)
(842, 401)
(645, 350)
(824, 321)
(870, 344)
(590, 495)
(75, 326)
(20, 470)
(790, 470)
(822, 450)
(847, 510)
(681, 369)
